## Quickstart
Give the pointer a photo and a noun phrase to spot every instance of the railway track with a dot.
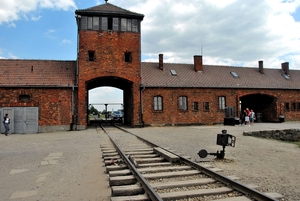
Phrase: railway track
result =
(141, 170)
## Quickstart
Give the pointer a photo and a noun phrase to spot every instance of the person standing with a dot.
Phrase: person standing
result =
(247, 120)
(252, 117)
(6, 123)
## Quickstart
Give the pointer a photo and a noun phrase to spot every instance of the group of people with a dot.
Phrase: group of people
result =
(248, 117)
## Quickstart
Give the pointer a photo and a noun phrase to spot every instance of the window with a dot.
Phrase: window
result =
(128, 57)
(298, 106)
(287, 106)
(83, 22)
(104, 23)
(222, 102)
(173, 72)
(195, 106)
(91, 23)
(91, 55)
(293, 107)
(123, 24)
(95, 23)
(129, 25)
(183, 103)
(234, 74)
(206, 106)
(109, 23)
(24, 97)
(157, 103)
(135, 25)
(115, 24)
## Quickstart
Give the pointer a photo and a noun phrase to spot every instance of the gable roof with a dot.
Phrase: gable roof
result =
(37, 73)
(214, 76)
(50, 73)
(108, 9)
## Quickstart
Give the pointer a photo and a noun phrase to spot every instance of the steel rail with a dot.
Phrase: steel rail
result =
(145, 185)
(249, 192)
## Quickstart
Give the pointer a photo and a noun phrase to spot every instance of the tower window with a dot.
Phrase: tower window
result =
(129, 25)
(109, 23)
(91, 55)
(95, 23)
(128, 57)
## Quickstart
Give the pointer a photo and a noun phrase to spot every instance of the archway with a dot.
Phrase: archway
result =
(264, 106)
(122, 84)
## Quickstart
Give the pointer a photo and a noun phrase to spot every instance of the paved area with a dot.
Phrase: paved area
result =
(68, 165)
(52, 166)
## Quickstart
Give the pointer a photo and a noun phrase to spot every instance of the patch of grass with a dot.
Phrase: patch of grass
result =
(297, 143)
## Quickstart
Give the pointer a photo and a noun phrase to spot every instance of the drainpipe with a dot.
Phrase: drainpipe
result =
(142, 108)
(75, 116)
(72, 109)
(78, 17)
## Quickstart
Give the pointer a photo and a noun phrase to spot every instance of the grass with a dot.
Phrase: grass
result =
(297, 143)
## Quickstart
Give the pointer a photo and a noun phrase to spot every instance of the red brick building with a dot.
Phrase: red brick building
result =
(47, 95)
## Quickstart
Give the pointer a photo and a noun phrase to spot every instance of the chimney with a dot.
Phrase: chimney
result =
(261, 67)
(285, 68)
(161, 62)
(198, 63)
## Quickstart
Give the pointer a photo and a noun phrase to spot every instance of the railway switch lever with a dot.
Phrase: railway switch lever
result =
(223, 140)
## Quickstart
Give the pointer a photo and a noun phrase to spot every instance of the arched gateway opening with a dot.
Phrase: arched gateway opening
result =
(264, 106)
(124, 85)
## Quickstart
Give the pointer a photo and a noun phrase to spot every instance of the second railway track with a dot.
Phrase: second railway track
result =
(141, 170)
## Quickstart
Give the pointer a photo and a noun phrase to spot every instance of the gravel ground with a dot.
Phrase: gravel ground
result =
(272, 165)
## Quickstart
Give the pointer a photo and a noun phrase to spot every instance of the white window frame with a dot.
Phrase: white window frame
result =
(182, 103)
(222, 102)
(158, 104)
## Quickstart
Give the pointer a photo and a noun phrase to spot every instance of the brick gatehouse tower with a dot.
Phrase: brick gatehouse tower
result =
(109, 54)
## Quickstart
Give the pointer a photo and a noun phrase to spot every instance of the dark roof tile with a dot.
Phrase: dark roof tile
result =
(216, 77)
(109, 9)
(37, 73)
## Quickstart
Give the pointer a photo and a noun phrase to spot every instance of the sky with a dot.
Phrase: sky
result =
(225, 32)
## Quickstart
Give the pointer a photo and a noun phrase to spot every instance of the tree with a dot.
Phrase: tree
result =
(93, 110)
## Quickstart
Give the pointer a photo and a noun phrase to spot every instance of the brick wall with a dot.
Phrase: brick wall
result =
(171, 115)
(109, 62)
(54, 104)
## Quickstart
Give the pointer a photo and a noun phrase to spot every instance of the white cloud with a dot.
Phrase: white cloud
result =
(106, 95)
(36, 18)
(50, 32)
(12, 56)
(66, 41)
(228, 32)
(11, 10)
(12, 25)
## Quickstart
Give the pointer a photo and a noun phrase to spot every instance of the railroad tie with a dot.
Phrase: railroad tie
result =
(167, 155)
